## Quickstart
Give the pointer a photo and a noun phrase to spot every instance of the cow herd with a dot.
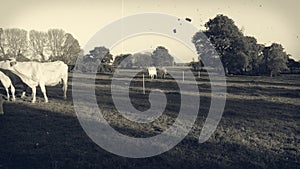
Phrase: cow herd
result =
(154, 72)
(32, 74)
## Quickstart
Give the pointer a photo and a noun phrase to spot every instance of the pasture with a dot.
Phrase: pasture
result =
(260, 127)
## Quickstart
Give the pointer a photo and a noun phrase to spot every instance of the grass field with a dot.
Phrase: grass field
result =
(260, 127)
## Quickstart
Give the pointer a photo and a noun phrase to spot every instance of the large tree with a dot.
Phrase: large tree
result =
(37, 43)
(120, 61)
(228, 42)
(142, 59)
(205, 50)
(15, 42)
(274, 59)
(70, 50)
(101, 54)
(98, 60)
(63, 46)
(254, 53)
(161, 57)
(56, 38)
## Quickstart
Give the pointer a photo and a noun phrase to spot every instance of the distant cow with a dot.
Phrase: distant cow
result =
(6, 82)
(152, 72)
(162, 72)
(41, 74)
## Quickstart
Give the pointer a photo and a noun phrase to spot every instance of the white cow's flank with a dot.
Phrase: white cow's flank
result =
(41, 74)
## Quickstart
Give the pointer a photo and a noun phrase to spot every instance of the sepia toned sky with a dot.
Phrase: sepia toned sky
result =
(269, 21)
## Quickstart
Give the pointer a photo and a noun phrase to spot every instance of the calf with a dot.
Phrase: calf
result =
(16, 81)
(6, 82)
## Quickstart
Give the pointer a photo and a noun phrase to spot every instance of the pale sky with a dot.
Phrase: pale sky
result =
(267, 20)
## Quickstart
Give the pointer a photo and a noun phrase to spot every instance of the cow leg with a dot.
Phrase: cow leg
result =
(7, 93)
(43, 89)
(64, 88)
(23, 94)
(33, 94)
(12, 89)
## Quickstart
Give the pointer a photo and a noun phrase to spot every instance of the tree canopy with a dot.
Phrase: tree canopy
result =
(142, 59)
(55, 44)
(13, 43)
(97, 60)
(159, 57)
(121, 62)
(274, 59)
(238, 53)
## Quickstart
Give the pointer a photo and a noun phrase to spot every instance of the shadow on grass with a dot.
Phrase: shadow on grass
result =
(35, 138)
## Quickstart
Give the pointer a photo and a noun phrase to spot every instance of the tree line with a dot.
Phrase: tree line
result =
(100, 60)
(238, 53)
(159, 57)
(55, 44)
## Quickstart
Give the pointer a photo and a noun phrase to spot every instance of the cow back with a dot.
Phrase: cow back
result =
(33, 73)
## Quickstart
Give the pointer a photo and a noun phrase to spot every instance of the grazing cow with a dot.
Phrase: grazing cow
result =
(162, 72)
(6, 82)
(152, 72)
(16, 80)
(41, 74)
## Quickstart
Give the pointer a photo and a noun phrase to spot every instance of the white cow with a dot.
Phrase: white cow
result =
(41, 74)
(6, 82)
(152, 72)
